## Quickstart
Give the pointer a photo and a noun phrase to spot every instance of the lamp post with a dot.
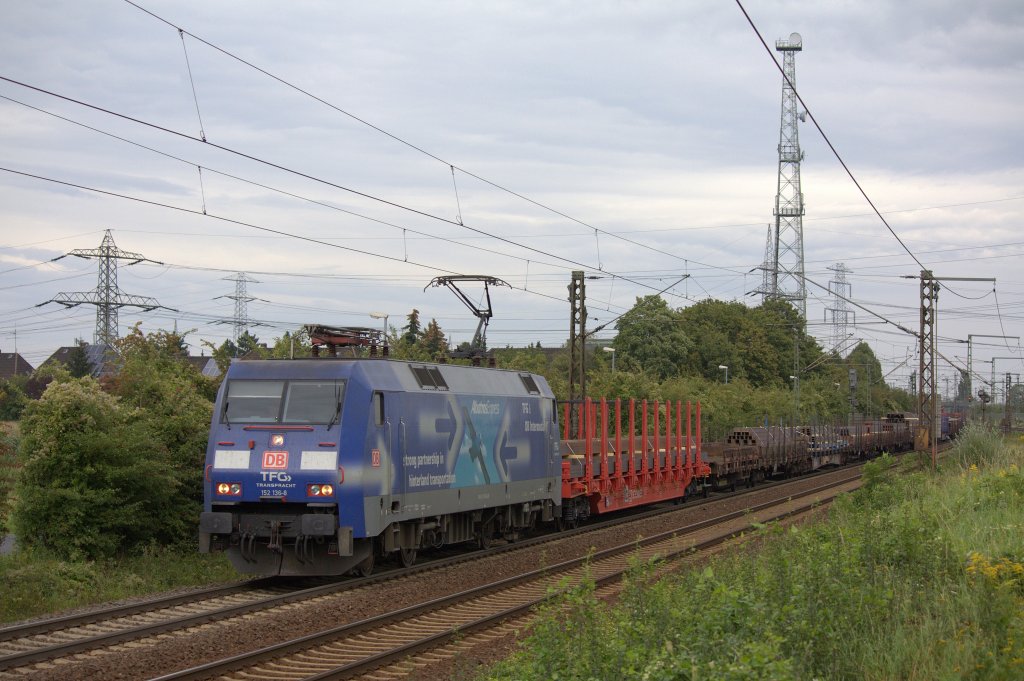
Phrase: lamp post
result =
(611, 350)
(384, 316)
(723, 366)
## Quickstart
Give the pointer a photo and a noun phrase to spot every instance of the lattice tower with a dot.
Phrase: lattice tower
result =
(242, 299)
(784, 253)
(107, 297)
(841, 315)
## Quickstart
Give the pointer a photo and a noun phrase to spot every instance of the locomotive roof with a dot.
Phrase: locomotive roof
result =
(400, 375)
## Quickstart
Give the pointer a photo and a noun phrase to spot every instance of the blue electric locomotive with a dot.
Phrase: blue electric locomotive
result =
(319, 466)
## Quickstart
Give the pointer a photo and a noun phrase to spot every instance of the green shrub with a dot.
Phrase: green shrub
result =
(93, 483)
(8, 475)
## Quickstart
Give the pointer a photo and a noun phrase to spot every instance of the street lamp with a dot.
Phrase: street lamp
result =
(722, 366)
(384, 316)
(611, 350)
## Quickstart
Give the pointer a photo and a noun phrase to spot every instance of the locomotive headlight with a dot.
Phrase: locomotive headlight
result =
(229, 489)
(319, 490)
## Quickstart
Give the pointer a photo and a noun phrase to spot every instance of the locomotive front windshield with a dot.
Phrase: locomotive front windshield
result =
(300, 402)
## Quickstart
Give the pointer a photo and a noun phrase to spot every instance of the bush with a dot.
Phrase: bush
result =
(94, 482)
(8, 474)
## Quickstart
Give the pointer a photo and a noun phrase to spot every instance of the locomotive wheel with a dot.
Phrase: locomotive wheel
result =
(365, 569)
(407, 557)
(486, 534)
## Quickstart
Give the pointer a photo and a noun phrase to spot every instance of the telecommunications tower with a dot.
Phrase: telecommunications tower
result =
(784, 252)
(107, 297)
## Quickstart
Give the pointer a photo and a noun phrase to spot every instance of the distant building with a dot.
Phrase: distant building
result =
(103, 361)
(12, 364)
(207, 366)
(100, 358)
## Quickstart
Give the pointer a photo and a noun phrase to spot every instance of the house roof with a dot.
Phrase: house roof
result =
(12, 364)
(100, 358)
(207, 366)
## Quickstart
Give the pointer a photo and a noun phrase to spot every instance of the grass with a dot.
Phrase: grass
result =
(916, 576)
(34, 583)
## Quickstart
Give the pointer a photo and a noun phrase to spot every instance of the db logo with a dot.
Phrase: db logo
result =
(275, 459)
(375, 458)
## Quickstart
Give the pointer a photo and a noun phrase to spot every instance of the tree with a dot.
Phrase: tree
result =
(292, 345)
(651, 336)
(175, 403)
(78, 361)
(12, 398)
(249, 344)
(412, 328)
(433, 340)
(222, 354)
(93, 484)
(112, 467)
(787, 350)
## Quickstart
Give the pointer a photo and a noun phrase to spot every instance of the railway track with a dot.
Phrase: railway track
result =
(35, 645)
(387, 644)
(35, 642)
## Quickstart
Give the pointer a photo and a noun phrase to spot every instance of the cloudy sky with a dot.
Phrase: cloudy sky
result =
(384, 144)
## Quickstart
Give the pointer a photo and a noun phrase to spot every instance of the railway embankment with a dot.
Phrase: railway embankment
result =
(918, 575)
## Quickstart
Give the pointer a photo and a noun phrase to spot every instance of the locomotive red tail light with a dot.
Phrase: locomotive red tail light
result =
(319, 490)
(229, 489)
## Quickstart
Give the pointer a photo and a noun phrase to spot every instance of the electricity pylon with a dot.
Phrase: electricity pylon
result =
(107, 297)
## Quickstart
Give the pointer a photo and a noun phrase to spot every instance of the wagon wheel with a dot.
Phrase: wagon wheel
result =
(365, 568)
(407, 557)
(564, 524)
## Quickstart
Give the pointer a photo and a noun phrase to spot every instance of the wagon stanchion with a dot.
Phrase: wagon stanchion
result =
(618, 439)
(604, 442)
(669, 461)
(657, 440)
(689, 455)
(645, 468)
(632, 439)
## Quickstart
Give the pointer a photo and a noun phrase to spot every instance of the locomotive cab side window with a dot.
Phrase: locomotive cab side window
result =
(378, 408)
